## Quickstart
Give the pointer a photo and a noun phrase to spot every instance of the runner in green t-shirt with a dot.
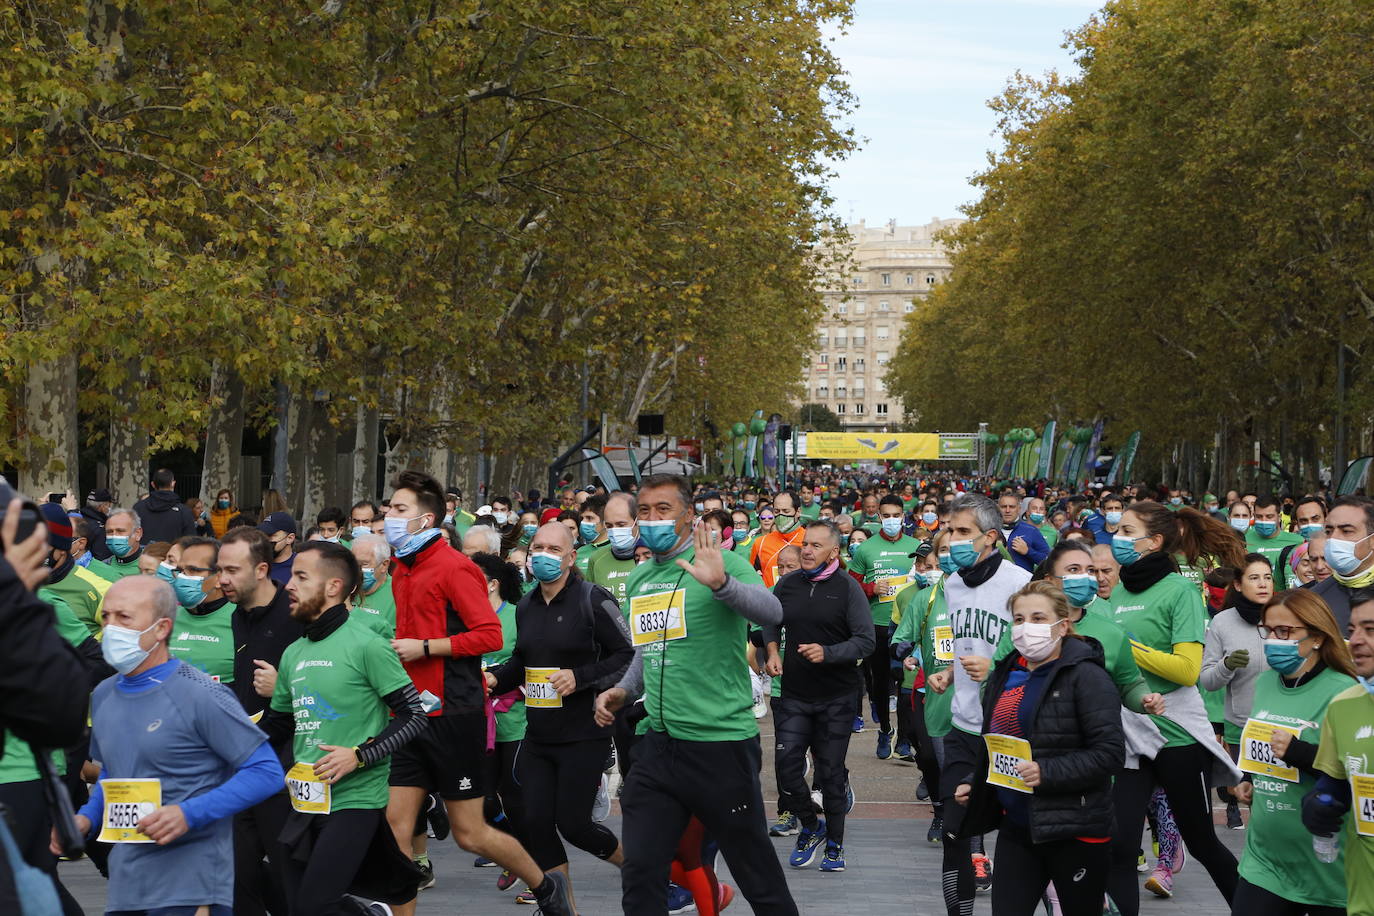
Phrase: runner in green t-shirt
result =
(1345, 760)
(1278, 748)
(882, 565)
(689, 608)
(203, 633)
(610, 568)
(373, 603)
(591, 531)
(124, 538)
(1267, 538)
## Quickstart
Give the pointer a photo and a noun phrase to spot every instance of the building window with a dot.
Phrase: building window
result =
(840, 391)
(839, 363)
(882, 306)
(822, 392)
(882, 332)
(882, 410)
(908, 308)
(859, 342)
(910, 280)
(858, 280)
(841, 342)
(930, 279)
(859, 364)
(860, 308)
(858, 392)
(859, 409)
(885, 279)
(839, 409)
(824, 359)
(842, 308)
(882, 357)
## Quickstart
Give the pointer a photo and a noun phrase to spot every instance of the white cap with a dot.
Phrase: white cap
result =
(483, 510)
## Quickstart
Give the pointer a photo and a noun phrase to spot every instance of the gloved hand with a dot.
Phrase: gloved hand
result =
(1325, 817)
(1237, 659)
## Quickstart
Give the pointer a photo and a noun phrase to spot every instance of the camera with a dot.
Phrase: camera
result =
(29, 519)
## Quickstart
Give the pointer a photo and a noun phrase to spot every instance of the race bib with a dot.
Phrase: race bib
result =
(1257, 753)
(943, 640)
(127, 802)
(1004, 753)
(657, 617)
(539, 693)
(887, 588)
(1362, 790)
(309, 794)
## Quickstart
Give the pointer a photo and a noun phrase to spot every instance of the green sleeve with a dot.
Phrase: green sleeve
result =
(281, 695)
(69, 626)
(1328, 755)
(382, 667)
(1004, 646)
(1133, 694)
(740, 569)
(910, 604)
(860, 565)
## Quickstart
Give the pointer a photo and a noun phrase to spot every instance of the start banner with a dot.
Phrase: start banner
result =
(890, 446)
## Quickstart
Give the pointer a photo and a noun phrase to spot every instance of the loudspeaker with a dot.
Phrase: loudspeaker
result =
(651, 424)
(785, 433)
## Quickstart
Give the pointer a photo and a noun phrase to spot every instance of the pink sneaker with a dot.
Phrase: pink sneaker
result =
(1161, 882)
(1180, 858)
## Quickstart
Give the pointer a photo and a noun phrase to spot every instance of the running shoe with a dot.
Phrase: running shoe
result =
(1161, 882)
(817, 800)
(483, 862)
(903, 749)
(558, 899)
(809, 845)
(526, 896)
(785, 825)
(858, 724)
(609, 768)
(601, 807)
(922, 790)
(1109, 908)
(505, 881)
(725, 895)
(1180, 858)
(680, 900)
(427, 875)
(1233, 820)
(935, 834)
(437, 818)
(982, 872)
(848, 797)
(368, 907)
(891, 704)
(884, 745)
(833, 860)
(1141, 865)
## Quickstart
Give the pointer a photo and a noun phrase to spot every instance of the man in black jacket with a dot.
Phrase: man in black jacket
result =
(828, 630)
(164, 516)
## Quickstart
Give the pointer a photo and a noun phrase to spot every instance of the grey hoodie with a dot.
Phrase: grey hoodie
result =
(1229, 632)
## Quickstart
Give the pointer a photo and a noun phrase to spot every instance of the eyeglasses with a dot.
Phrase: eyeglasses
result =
(196, 570)
(765, 518)
(1278, 632)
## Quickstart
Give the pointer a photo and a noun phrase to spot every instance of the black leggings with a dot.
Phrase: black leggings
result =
(1078, 870)
(878, 678)
(823, 729)
(956, 869)
(1251, 899)
(504, 805)
(341, 840)
(1182, 773)
(559, 783)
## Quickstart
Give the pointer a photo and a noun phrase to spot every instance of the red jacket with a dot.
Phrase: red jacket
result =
(442, 594)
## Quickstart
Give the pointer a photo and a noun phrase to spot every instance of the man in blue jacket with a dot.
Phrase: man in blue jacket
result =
(1024, 540)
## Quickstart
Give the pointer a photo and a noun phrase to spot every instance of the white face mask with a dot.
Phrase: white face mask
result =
(501, 517)
(1035, 641)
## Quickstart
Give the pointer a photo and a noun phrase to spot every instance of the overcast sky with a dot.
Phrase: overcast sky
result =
(923, 71)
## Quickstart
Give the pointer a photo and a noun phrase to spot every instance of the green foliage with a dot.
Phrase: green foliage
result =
(818, 418)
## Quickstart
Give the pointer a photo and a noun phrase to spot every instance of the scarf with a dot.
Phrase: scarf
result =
(1248, 610)
(981, 571)
(821, 573)
(1147, 571)
(1359, 580)
(326, 623)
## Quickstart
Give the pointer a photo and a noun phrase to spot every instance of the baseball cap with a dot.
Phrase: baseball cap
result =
(101, 495)
(278, 522)
(59, 526)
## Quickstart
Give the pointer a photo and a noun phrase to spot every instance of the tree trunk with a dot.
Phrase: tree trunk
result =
(298, 457)
(49, 428)
(365, 455)
(223, 463)
(321, 443)
(281, 438)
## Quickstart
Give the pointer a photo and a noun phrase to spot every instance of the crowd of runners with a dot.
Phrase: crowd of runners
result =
(285, 714)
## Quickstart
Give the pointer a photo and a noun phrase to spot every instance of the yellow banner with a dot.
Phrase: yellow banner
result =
(874, 446)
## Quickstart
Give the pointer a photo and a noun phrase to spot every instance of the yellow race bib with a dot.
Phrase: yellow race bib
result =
(1257, 752)
(539, 693)
(657, 617)
(127, 802)
(942, 638)
(1362, 802)
(309, 794)
(1004, 753)
(887, 588)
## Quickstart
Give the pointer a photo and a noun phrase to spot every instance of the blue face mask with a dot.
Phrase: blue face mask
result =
(1266, 529)
(963, 554)
(1340, 555)
(1080, 589)
(947, 564)
(1037, 518)
(1114, 517)
(1176, 500)
(223, 503)
(749, 505)
(166, 572)
(190, 590)
(892, 527)
(852, 547)
(120, 648)
(622, 539)
(815, 500)
(369, 579)
(921, 580)
(546, 567)
(1366, 683)
(1307, 531)
(118, 544)
(740, 535)
(1123, 549)
(1282, 655)
(659, 536)
(397, 530)
(928, 517)
(529, 530)
(588, 531)
(360, 530)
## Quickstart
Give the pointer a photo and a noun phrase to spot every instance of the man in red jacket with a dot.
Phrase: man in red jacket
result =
(444, 623)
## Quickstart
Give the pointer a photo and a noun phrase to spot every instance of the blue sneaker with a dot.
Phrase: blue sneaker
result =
(833, 860)
(858, 724)
(785, 825)
(680, 900)
(903, 749)
(809, 843)
(884, 745)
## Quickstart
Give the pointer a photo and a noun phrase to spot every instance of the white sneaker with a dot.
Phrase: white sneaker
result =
(601, 808)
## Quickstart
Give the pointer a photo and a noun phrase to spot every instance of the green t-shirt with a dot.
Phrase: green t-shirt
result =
(611, 573)
(127, 566)
(84, 593)
(1347, 747)
(811, 511)
(1049, 533)
(881, 561)
(1271, 548)
(510, 725)
(586, 552)
(1166, 613)
(334, 688)
(378, 610)
(103, 570)
(206, 641)
(462, 521)
(18, 765)
(899, 611)
(927, 610)
(69, 626)
(1116, 647)
(696, 679)
(1278, 849)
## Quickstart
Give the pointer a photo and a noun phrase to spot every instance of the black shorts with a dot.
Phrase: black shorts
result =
(446, 758)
